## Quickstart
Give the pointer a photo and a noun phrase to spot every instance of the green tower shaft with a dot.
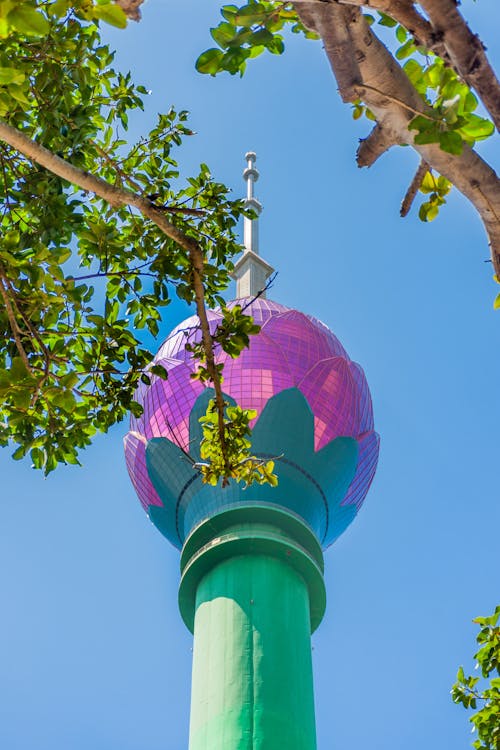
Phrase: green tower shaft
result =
(252, 591)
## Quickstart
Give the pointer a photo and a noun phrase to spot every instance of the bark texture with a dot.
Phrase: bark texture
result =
(466, 52)
(366, 70)
(131, 8)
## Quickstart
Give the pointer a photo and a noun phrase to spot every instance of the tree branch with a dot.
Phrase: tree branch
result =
(466, 52)
(112, 194)
(332, 22)
(116, 197)
(413, 188)
(407, 15)
(376, 144)
(387, 91)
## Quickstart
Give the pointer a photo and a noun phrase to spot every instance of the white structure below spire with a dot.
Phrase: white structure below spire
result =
(251, 272)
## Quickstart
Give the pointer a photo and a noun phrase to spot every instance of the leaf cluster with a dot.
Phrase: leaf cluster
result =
(437, 188)
(450, 119)
(80, 279)
(468, 691)
(232, 335)
(236, 462)
(248, 31)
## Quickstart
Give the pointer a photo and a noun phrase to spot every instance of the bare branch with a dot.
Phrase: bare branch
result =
(376, 144)
(413, 188)
(466, 52)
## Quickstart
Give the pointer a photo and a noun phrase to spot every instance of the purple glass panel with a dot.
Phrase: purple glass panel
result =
(292, 349)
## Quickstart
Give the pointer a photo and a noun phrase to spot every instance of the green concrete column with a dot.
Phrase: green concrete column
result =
(252, 590)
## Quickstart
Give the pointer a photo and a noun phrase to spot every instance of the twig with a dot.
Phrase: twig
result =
(413, 188)
(16, 331)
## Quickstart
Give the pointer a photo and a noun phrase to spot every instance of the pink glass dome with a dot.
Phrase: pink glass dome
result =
(291, 350)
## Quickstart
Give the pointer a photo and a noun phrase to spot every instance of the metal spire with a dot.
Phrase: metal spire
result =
(251, 271)
(251, 226)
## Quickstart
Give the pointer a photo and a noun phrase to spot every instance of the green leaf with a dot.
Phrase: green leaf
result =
(413, 70)
(19, 94)
(10, 75)
(401, 34)
(210, 61)
(229, 13)
(20, 453)
(60, 7)
(406, 50)
(112, 14)
(262, 37)
(428, 184)
(450, 142)
(432, 135)
(251, 14)
(432, 212)
(496, 303)
(477, 128)
(223, 34)
(38, 457)
(386, 20)
(29, 21)
(470, 102)
(136, 408)
(160, 371)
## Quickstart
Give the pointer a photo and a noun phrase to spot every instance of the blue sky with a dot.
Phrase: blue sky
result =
(93, 653)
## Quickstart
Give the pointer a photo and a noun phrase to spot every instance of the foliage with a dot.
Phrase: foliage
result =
(450, 120)
(246, 32)
(470, 692)
(436, 189)
(80, 278)
(242, 465)
(225, 445)
(232, 335)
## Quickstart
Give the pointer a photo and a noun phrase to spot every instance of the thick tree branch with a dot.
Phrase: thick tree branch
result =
(405, 13)
(447, 35)
(388, 92)
(332, 22)
(466, 52)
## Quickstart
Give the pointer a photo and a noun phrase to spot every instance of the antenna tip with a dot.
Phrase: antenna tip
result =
(251, 156)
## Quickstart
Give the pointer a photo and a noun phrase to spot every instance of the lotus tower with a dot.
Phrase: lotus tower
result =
(251, 587)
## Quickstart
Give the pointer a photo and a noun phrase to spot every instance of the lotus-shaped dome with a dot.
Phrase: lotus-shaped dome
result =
(293, 352)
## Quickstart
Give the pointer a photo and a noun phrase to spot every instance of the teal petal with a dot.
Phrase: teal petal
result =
(169, 470)
(334, 467)
(286, 426)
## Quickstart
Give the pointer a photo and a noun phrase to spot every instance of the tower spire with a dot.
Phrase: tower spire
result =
(251, 226)
(251, 272)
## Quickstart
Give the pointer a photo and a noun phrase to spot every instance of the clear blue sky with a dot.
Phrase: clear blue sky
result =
(93, 653)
